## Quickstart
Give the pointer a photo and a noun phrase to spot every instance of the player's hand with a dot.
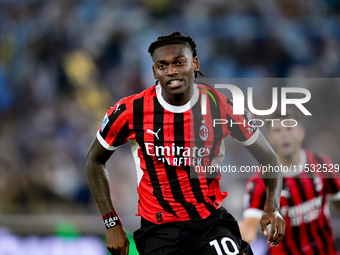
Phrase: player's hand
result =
(117, 241)
(276, 232)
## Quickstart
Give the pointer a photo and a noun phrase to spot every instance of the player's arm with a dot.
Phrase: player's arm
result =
(335, 201)
(255, 192)
(97, 156)
(336, 204)
(264, 154)
(248, 228)
(331, 183)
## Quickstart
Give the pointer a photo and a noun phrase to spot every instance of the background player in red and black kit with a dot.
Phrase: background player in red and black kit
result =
(304, 191)
(179, 203)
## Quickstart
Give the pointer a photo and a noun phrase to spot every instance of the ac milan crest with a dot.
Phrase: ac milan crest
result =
(204, 132)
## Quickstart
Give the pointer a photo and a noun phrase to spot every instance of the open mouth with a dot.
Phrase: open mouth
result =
(174, 83)
(285, 145)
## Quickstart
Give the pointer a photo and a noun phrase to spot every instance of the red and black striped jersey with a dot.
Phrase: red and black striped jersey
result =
(303, 200)
(171, 144)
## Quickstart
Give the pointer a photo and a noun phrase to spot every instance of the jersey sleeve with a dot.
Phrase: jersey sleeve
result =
(242, 127)
(332, 180)
(254, 198)
(114, 130)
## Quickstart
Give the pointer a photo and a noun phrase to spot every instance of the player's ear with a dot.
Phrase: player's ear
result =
(154, 72)
(196, 62)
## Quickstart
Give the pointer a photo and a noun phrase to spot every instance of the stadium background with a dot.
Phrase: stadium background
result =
(63, 63)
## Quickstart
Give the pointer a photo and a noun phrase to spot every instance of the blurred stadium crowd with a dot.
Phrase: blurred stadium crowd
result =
(63, 63)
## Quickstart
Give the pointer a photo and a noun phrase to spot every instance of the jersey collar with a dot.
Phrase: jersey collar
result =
(173, 108)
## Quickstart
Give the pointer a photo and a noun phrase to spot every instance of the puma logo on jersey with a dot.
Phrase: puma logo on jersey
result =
(149, 131)
(117, 109)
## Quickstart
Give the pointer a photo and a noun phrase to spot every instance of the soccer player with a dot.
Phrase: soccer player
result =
(307, 180)
(170, 126)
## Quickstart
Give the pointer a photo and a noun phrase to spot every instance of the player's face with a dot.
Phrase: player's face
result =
(286, 141)
(174, 67)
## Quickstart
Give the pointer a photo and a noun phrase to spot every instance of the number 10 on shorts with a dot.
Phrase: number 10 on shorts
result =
(225, 247)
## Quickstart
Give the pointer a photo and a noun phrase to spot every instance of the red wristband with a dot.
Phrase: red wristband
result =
(111, 219)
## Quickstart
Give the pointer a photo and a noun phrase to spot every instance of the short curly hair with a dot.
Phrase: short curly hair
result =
(174, 38)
